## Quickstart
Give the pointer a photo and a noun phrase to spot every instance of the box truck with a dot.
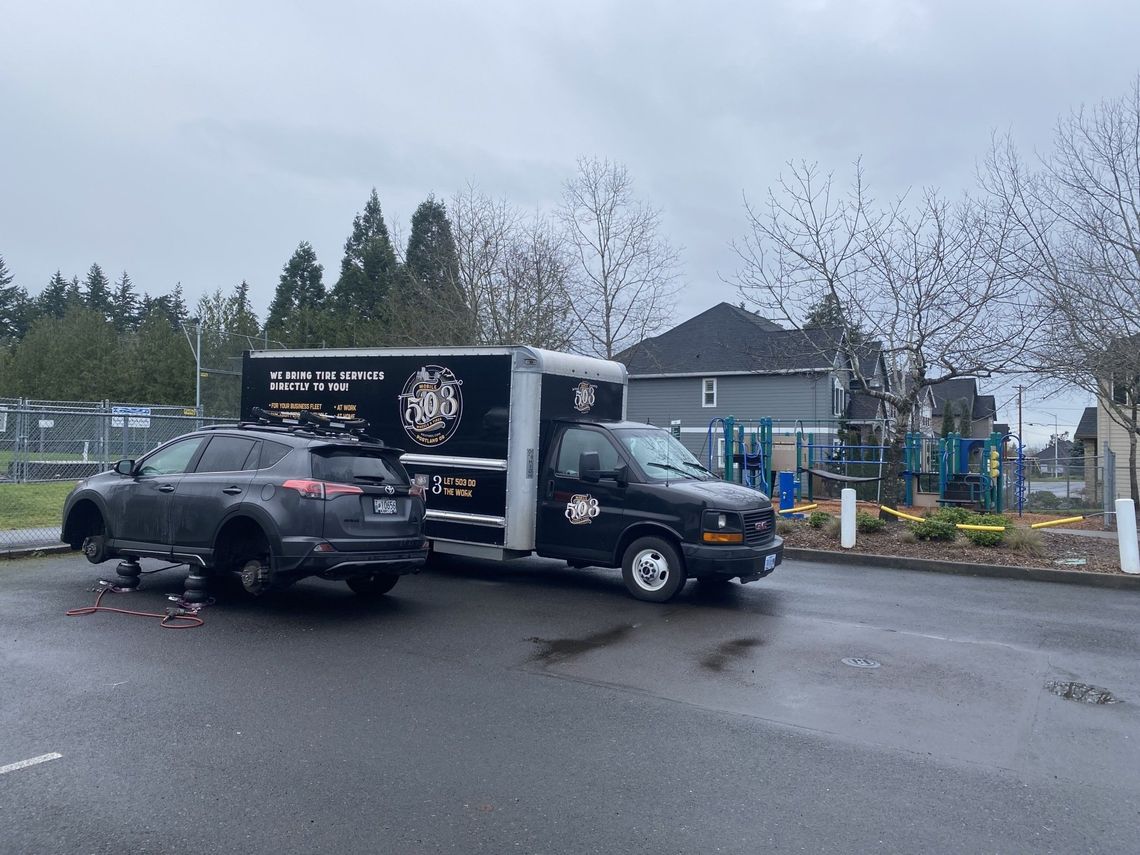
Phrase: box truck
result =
(524, 451)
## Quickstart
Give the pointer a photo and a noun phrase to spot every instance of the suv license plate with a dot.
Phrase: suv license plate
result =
(384, 506)
(770, 562)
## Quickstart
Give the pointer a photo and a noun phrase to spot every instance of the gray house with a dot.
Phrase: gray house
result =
(728, 361)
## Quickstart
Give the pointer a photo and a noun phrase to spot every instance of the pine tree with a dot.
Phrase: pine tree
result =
(52, 301)
(74, 295)
(97, 292)
(430, 304)
(367, 276)
(242, 318)
(826, 313)
(125, 305)
(14, 307)
(158, 364)
(76, 357)
(296, 311)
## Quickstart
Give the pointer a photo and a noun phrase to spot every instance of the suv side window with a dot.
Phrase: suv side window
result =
(226, 454)
(173, 459)
(271, 453)
(577, 440)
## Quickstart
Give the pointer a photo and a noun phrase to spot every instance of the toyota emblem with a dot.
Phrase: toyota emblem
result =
(389, 489)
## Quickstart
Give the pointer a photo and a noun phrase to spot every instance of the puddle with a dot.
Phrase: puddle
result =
(1081, 692)
(560, 649)
(727, 651)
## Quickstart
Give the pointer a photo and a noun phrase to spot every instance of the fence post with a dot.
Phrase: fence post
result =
(847, 518)
(1126, 535)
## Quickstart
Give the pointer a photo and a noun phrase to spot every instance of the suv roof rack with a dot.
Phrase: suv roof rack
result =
(305, 422)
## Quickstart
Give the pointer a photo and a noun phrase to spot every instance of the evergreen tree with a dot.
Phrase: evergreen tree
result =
(97, 292)
(76, 357)
(242, 318)
(295, 315)
(367, 277)
(73, 295)
(14, 308)
(158, 365)
(430, 306)
(125, 304)
(826, 313)
(52, 301)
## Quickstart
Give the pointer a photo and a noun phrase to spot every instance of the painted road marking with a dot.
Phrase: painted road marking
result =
(24, 764)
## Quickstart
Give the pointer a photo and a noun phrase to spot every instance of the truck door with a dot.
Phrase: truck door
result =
(579, 519)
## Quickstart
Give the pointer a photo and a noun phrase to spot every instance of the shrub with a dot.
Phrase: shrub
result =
(831, 528)
(952, 515)
(908, 536)
(868, 523)
(1043, 500)
(987, 538)
(935, 529)
(1026, 540)
(818, 519)
(784, 526)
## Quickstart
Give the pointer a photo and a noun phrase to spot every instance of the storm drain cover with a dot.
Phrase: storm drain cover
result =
(860, 662)
(1081, 692)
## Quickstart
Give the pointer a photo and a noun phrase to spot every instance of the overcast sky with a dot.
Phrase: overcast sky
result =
(201, 141)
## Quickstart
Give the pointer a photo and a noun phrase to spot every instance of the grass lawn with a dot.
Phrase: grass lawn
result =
(32, 505)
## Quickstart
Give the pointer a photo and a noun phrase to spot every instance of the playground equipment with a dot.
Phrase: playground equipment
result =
(930, 465)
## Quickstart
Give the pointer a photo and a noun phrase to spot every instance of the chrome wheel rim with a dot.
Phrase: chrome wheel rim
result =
(651, 570)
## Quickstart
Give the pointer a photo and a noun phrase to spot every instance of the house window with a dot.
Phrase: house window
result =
(838, 398)
(708, 392)
(1120, 392)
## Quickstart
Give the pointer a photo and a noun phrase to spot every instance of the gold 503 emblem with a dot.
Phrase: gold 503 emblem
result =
(582, 508)
(584, 396)
(431, 405)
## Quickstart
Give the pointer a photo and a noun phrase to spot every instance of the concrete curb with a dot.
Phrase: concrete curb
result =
(995, 571)
(34, 551)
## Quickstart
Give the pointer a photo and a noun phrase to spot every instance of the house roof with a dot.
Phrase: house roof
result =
(863, 408)
(1086, 428)
(958, 389)
(726, 339)
(985, 407)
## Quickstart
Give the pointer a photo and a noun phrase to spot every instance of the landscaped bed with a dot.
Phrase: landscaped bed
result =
(1027, 548)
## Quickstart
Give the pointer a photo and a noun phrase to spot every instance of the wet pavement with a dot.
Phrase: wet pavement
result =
(534, 708)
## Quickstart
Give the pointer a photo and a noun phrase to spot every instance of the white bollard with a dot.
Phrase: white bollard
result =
(1126, 534)
(847, 518)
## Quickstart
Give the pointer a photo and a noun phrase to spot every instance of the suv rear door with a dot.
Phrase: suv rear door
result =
(368, 497)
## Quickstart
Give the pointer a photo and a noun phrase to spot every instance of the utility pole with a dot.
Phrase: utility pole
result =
(1020, 388)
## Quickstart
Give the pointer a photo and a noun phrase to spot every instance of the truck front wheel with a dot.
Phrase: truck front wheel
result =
(652, 569)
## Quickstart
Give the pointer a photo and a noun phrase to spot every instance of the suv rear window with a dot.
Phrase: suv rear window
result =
(345, 465)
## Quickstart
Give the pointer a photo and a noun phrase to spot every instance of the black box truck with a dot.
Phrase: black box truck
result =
(523, 451)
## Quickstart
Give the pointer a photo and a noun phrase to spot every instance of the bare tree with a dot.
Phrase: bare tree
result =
(512, 272)
(927, 284)
(625, 269)
(1077, 217)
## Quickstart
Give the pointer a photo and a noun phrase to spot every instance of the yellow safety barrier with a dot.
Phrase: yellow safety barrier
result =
(1048, 523)
(900, 514)
(969, 527)
(797, 510)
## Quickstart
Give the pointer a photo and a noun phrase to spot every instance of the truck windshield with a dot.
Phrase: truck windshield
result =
(660, 456)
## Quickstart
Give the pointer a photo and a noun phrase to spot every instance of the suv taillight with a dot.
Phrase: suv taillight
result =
(310, 489)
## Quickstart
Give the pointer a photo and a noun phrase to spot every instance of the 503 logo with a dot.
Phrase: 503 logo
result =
(582, 509)
(585, 395)
(431, 405)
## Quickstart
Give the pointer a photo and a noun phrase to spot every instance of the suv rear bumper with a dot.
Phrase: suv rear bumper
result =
(301, 557)
(747, 562)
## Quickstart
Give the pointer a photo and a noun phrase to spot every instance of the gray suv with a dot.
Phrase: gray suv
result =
(270, 502)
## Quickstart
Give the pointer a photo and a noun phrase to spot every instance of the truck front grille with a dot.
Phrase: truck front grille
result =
(759, 526)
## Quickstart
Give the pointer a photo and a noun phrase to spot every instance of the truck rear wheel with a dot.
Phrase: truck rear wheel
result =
(652, 570)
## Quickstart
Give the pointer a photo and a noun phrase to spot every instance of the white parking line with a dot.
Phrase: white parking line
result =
(24, 764)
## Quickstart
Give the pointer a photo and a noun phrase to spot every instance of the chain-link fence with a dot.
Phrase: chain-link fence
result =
(47, 446)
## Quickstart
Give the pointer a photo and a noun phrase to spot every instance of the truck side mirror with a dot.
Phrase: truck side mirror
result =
(125, 467)
(589, 466)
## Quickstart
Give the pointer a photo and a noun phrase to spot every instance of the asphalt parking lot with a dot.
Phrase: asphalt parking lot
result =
(534, 708)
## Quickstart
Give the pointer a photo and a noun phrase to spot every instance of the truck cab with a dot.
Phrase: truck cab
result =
(630, 495)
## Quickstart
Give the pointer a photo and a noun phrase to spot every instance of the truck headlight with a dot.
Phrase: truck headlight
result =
(722, 527)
